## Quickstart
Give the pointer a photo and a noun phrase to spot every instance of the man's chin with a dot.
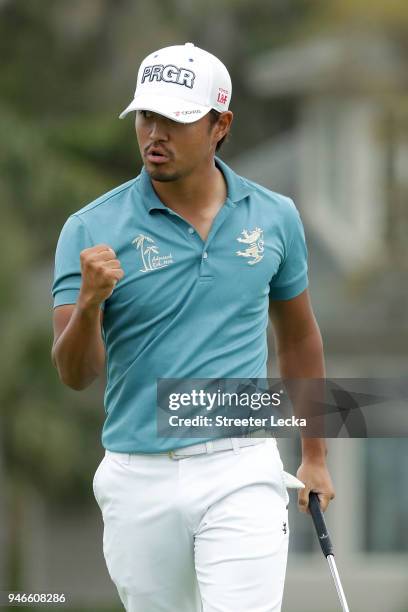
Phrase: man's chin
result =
(157, 174)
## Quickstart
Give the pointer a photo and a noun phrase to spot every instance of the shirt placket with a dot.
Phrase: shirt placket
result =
(207, 264)
(204, 247)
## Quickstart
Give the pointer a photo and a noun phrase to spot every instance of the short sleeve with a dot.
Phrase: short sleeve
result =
(73, 239)
(291, 279)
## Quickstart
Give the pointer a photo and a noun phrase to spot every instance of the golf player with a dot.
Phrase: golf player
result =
(172, 275)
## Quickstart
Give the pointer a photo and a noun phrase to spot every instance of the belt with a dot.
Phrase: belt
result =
(213, 446)
(221, 444)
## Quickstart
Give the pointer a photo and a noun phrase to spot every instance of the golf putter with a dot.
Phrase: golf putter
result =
(326, 545)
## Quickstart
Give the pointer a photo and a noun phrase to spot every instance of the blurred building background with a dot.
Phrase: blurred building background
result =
(320, 96)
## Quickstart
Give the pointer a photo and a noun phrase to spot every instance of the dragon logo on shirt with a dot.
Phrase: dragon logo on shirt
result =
(255, 242)
(149, 253)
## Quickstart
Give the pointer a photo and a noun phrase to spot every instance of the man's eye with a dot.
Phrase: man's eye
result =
(146, 114)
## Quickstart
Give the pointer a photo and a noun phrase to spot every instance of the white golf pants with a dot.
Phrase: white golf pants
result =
(207, 533)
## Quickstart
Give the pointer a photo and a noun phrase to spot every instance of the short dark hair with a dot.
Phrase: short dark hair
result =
(214, 116)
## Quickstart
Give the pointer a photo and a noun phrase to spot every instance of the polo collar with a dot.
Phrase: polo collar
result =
(237, 187)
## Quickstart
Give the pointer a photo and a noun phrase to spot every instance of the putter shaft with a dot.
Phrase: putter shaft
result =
(337, 582)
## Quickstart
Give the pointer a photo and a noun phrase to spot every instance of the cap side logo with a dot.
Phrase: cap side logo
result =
(168, 74)
(222, 97)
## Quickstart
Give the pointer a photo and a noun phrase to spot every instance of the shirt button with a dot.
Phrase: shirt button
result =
(205, 255)
(191, 230)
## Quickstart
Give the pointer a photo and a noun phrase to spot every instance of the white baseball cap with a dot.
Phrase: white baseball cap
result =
(182, 82)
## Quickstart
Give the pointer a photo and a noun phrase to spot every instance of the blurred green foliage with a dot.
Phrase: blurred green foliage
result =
(55, 156)
(46, 430)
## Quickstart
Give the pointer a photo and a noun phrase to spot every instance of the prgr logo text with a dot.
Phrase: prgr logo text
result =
(169, 74)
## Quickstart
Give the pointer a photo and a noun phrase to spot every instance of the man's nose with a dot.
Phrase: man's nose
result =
(158, 130)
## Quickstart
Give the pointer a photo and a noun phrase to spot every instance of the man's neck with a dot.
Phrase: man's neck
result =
(196, 193)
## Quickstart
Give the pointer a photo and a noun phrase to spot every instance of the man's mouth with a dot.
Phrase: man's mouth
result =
(157, 155)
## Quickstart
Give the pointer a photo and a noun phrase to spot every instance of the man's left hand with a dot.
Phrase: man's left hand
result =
(315, 477)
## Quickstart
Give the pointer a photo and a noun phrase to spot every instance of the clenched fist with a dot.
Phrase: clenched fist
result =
(101, 271)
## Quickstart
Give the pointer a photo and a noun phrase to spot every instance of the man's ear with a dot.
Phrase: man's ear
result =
(224, 124)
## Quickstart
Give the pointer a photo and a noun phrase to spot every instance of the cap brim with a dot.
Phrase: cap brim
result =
(172, 108)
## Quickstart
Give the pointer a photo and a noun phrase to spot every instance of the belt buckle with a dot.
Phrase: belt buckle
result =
(170, 454)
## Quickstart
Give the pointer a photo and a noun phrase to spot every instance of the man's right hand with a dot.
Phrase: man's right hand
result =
(101, 270)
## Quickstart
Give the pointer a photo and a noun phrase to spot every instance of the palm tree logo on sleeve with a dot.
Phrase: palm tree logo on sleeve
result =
(254, 240)
(150, 255)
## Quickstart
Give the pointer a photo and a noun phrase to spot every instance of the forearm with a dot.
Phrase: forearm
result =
(79, 352)
(299, 349)
(305, 360)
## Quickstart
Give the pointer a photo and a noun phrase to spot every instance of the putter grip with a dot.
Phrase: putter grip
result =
(320, 525)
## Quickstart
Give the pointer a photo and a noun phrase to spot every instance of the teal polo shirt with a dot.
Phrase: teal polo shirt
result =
(185, 308)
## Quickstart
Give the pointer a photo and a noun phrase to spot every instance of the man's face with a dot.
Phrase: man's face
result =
(171, 150)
